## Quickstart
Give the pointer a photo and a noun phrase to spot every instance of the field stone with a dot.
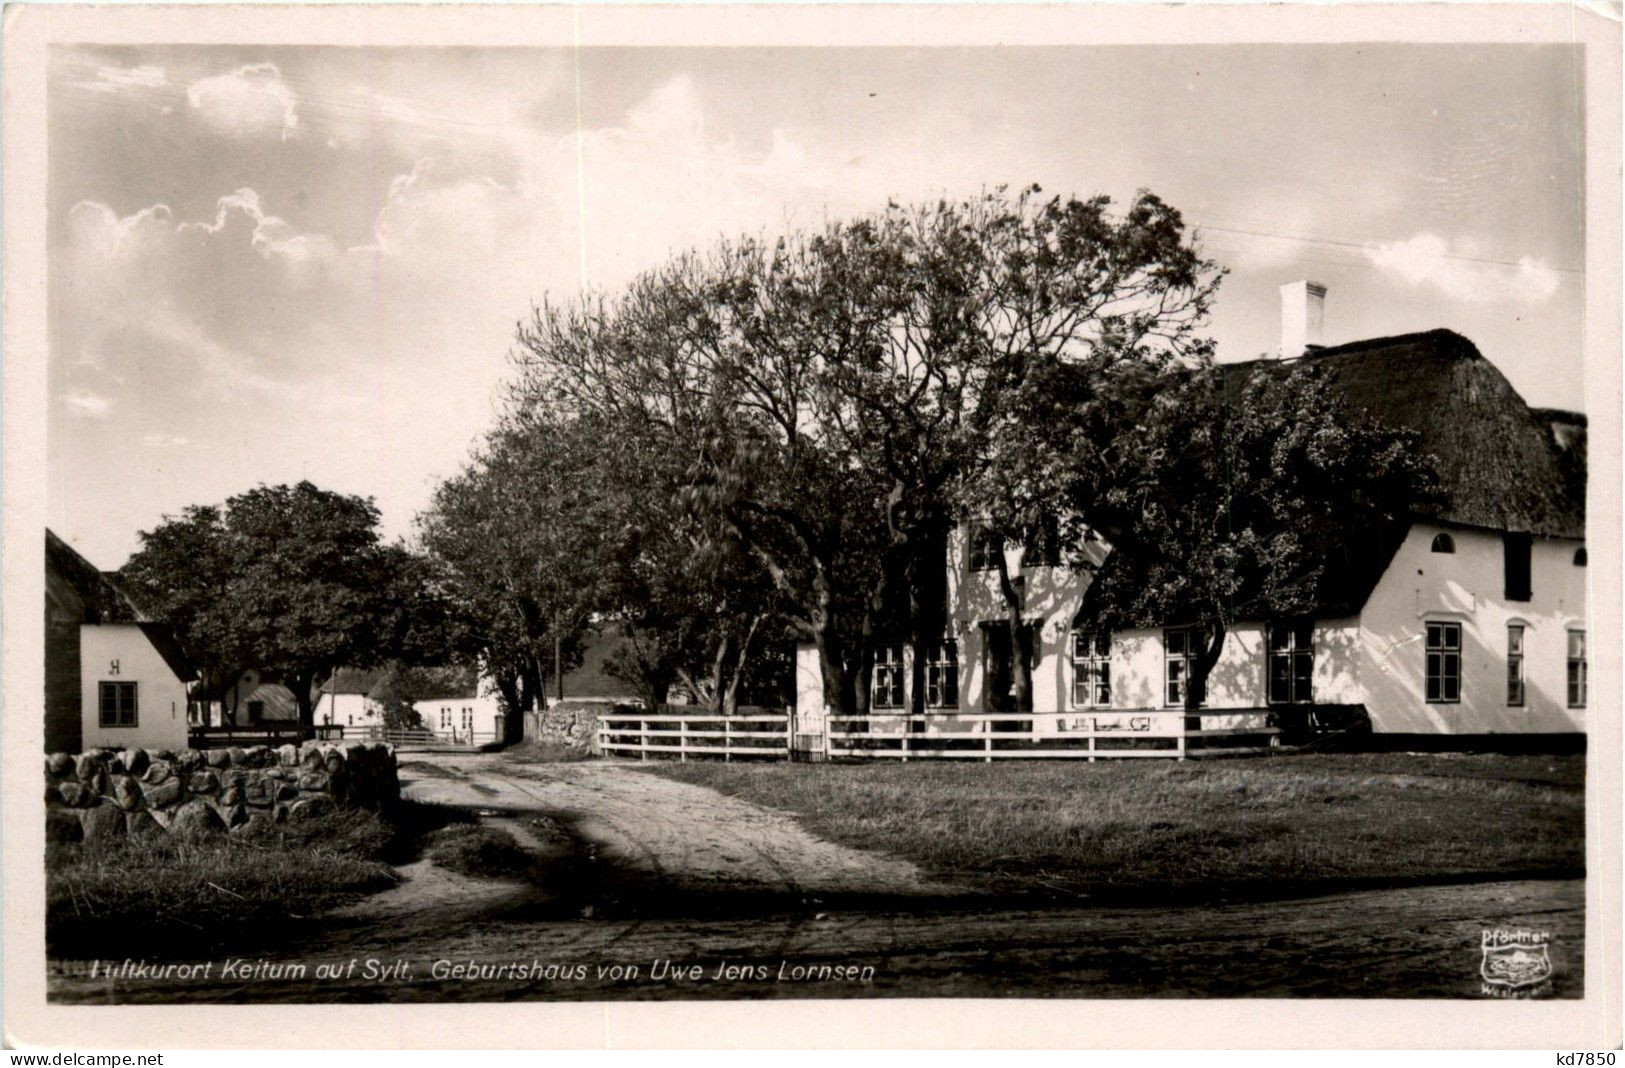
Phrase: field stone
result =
(312, 760)
(235, 816)
(258, 756)
(164, 793)
(166, 755)
(288, 755)
(115, 763)
(59, 765)
(195, 819)
(236, 754)
(232, 796)
(141, 825)
(126, 792)
(63, 826)
(88, 766)
(315, 780)
(189, 759)
(205, 782)
(257, 791)
(134, 760)
(160, 771)
(102, 823)
(217, 758)
(75, 794)
(287, 792)
(309, 808)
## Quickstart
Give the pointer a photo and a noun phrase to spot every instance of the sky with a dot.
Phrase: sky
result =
(277, 263)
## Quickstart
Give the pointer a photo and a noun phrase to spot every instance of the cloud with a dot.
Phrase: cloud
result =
(272, 237)
(118, 79)
(89, 405)
(249, 102)
(1431, 260)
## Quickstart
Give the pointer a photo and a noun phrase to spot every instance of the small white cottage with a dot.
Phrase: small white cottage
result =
(113, 676)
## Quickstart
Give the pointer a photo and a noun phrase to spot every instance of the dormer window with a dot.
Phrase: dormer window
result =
(1444, 543)
(1580, 556)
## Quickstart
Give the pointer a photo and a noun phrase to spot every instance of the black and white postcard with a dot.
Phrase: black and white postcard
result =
(684, 525)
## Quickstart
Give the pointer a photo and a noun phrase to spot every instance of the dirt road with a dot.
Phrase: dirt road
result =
(680, 892)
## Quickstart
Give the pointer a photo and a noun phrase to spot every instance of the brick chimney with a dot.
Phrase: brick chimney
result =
(1303, 313)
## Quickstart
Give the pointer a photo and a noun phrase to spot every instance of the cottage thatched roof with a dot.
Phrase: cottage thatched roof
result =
(1501, 464)
(103, 600)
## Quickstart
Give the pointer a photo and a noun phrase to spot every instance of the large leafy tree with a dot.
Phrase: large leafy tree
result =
(516, 535)
(842, 396)
(292, 579)
(1240, 493)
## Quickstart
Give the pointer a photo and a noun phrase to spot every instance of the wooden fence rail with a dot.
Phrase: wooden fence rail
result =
(1165, 734)
(750, 736)
(283, 734)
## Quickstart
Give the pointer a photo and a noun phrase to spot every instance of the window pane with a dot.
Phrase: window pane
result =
(1280, 637)
(1304, 635)
(1278, 679)
(1577, 643)
(1176, 643)
(1435, 636)
(1302, 669)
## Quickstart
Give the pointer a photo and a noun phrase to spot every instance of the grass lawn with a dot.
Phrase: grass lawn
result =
(153, 895)
(1158, 831)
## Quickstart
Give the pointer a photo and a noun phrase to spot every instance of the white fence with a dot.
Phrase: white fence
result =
(751, 736)
(465, 739)
(1168, 734)
(1156, 733)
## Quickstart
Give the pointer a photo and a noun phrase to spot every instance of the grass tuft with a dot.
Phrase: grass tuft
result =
(472, 849)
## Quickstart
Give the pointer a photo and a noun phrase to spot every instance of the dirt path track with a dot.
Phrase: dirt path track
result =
(726, 882)
(682, 834)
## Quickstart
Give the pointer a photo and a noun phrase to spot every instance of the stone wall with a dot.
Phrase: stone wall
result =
(571, 723)
(108, 793)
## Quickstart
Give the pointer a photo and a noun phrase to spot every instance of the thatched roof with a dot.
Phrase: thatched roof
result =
(102, 599)
(1501, 464)
(351, 680)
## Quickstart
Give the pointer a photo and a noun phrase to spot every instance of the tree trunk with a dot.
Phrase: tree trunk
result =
(301, 695)
(730, 698)
(1202, 665)
(1021, 637)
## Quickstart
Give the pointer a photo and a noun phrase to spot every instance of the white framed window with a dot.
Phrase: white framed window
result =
(118, 704)
(1444, 663)
(1577, 669)
(1092, 669)
(1515, 687)
(886, 684)
(1181, 646)
(985, 545)
(942, 675)
(1292, 662)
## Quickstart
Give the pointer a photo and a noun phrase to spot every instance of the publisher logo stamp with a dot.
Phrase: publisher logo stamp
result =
(1516, 963)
